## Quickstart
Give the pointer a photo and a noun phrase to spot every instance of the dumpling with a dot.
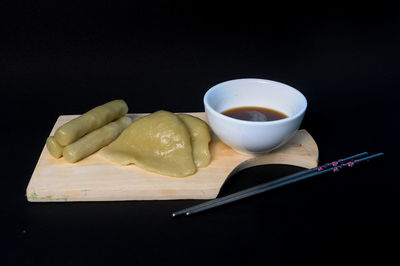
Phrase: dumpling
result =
(159, 142)
(200, 136)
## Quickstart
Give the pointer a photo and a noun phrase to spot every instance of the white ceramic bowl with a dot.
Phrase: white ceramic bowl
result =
(249, 137)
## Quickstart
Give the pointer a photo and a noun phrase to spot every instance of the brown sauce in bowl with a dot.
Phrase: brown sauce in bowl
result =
(254, 113)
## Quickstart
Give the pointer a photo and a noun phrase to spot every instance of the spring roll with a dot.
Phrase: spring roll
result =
(95, 140)
(55, 149)
(91, 120)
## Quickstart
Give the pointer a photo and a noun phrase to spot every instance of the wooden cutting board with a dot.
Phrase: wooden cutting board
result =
(98, 179)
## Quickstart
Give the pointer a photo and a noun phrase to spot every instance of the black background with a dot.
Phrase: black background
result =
(64, 58)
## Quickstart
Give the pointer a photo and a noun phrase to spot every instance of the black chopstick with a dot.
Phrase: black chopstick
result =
(334, 166)
(273, 182)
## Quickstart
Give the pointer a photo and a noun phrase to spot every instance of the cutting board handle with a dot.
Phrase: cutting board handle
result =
(300, 151)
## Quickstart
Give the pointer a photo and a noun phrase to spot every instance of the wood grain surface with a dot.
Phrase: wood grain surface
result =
(98, 179)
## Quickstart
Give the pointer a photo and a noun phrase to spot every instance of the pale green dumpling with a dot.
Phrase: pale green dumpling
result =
(200, 135)
(159, 142)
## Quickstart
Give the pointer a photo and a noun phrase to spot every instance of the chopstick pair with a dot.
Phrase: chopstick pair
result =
(329, 167)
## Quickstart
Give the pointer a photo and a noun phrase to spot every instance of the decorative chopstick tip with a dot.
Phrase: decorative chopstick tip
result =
(337, 167)
(339, 162)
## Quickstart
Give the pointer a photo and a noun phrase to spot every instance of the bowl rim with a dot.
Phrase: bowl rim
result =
(254, 123)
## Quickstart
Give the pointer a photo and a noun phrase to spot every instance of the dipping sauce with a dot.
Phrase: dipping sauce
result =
(253, 113)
